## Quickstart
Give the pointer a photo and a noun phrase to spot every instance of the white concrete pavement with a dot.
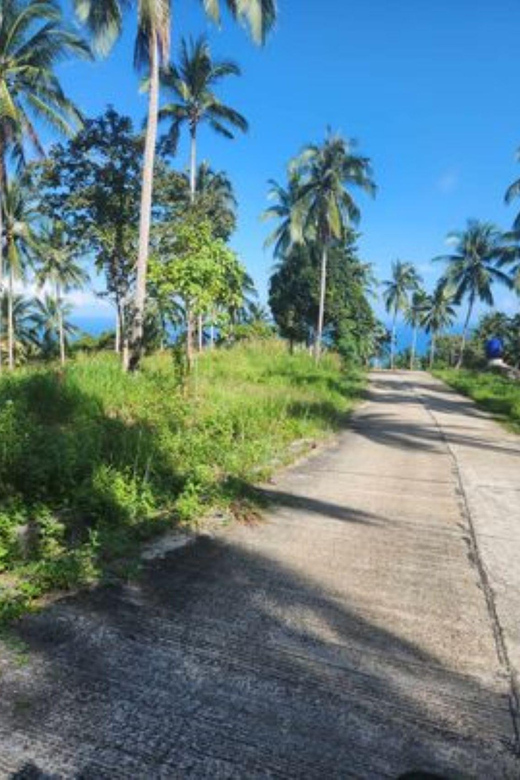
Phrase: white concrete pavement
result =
(368, 627)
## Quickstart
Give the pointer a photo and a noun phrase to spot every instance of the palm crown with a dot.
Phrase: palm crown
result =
(405, 279)
(326, 207)
(193, 85)
(33, 41)
(473, 267)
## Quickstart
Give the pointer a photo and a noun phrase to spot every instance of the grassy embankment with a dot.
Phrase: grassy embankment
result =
(93, 462)
(492, 392)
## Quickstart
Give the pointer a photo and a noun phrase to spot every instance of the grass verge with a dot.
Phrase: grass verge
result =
(94, 462)
(491, 391)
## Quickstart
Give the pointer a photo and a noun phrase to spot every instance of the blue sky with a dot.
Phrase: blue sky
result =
(429, 90)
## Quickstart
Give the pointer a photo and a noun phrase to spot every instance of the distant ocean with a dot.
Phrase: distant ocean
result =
(94, 325)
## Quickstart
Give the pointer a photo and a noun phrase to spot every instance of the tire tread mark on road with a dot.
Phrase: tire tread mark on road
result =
(476, 558)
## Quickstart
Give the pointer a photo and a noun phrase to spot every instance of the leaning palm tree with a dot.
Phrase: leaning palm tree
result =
(438, 313)
(33, 41)
(105, 20)
(58, 269)
(413, 314)
(326, 209)
(193, 86)
(404, 281)
(473, 268)
(19, 215)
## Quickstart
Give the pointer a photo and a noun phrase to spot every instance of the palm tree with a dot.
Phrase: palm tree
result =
(473, 268)
(33, 40)
(285, 209)
(51, 314)
(438, 313)
(216, 199)
(23, 324)
(193, 85)
(105, 19)
(413, 314)
(325, 207)
(58, 269)
(19, 212)
(405, 280)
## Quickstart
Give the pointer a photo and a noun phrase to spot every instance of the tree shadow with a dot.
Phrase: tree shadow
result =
(226, 662)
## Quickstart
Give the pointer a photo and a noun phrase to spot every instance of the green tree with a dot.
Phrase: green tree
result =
(199, 269)
(59, 269)
(438, 313)
(216, 199)
(21, 243)
(105, 20)
(472, 269)
(413, 314)
(33, 41)
(92, 183)
(326, 208)
(193, 85)
(404, 281)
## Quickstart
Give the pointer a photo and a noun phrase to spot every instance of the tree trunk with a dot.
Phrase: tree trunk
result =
(10, 322)
(61, 332)
(200, 332)
(392, 345)
(2, 183)
(189, 338)
(432, 350)
(117, 345)
(414, 344)
(321, 312)
(193, 163)
(464, 332)
(136, 346)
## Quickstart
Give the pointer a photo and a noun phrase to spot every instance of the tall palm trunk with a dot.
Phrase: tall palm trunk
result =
(193, 190)
(193, 162)
(136, 346)
(2, 185)
(321, 311)
(61, 330)
(117, 344)
(432, 350)
(10, 322)
(414, 347)
(465, 332)
(189, 337)
(392, 346)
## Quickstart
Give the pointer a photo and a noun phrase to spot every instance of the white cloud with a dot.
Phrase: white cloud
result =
(84, 301)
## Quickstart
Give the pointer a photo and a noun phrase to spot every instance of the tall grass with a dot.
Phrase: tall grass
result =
(491, 391)
(92, 461)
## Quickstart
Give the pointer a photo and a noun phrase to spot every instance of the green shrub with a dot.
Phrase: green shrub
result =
(93, 461)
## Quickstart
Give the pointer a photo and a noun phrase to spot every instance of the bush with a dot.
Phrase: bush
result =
(93, 461)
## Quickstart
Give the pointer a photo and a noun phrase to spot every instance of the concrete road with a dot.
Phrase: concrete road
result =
(369, 627)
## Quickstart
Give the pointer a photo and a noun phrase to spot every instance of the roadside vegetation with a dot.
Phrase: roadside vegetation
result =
(492, 392)
(94, 461)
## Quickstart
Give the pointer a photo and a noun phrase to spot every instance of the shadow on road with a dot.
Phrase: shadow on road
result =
(226, 663)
